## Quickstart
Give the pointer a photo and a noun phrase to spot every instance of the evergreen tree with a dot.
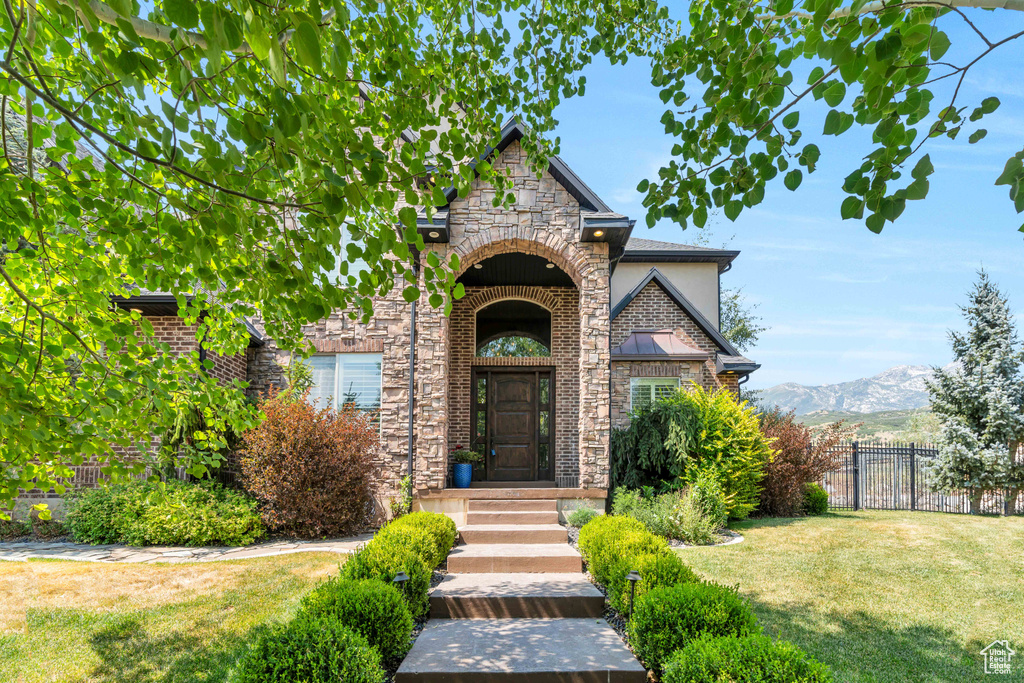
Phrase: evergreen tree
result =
(981, 402)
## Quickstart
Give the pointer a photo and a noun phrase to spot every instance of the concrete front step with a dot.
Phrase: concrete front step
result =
(514, 533)
(536, 517)
(511, 558)
(519, 651)
(500, 596)
(512, 505)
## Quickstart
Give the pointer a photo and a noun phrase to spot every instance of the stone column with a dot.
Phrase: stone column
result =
(431, 411)
(595, 375)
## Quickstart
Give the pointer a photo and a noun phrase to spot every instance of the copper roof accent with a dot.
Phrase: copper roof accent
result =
(656, 345)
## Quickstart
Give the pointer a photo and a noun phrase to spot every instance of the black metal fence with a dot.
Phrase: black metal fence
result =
(894, 476)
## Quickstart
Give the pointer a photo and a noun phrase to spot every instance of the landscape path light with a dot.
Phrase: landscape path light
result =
(633, 576)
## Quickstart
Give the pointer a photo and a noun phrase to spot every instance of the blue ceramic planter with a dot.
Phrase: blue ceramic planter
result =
(463, 475)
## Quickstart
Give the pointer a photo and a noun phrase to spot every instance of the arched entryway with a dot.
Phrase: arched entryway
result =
(513, 376)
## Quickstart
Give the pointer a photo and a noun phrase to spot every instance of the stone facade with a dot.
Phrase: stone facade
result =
(545, 221)
(653, 309)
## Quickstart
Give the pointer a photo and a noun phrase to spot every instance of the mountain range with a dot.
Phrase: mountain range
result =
(898, 388)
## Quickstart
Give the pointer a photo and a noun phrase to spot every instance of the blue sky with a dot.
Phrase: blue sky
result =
(841, 302)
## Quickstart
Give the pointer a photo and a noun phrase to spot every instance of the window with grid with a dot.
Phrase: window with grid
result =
(346, 379)
(644, 391)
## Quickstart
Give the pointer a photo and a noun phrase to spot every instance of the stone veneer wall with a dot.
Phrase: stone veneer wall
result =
(652, 309)
(563, 302)
(387, 333)
(545, 220)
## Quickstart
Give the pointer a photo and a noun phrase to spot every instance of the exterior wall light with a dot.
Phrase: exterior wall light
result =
(550, 265)
(478, 266)
(434, 234)
(599, 233)
(633, 576)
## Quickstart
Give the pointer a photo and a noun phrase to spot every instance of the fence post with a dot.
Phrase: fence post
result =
(913, 476)
(856, 477)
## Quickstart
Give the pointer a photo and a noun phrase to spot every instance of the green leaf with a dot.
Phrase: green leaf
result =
(182, 13)
(258, 38)
(122, 7)
(732, 210)
(888, 47)
(852, 207)
(832, 121)
(411, 293)
(793, 179)
(923, 168)
(307, 46)
(1011, 172)
(791, 120)
(407, 215)
(835, 93)
(939, 46)
(278, 68)
(977, 136)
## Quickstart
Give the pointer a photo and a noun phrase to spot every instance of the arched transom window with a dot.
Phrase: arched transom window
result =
(513, 329)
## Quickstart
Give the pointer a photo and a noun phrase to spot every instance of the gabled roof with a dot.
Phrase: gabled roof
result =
(677, 297)
(656, 345)
(567, 178)
(640, 250)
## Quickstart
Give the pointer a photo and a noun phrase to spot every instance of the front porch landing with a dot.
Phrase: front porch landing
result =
(455, 502)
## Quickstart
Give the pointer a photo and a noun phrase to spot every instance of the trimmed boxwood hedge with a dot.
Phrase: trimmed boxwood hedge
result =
(666, 619)
(428, 534)
(373, 609)
(663, 568)
(750, 659)
(311, 651)
(382, 559)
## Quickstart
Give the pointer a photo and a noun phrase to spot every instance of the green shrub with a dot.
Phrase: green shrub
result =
(599, 531)
(667, 619)
(580, 516)
(416, 539)
(440, 529)
(750, 659)
(382, 559)
(654, 511)
(692, 522)
(136, 512)
(656, 570)
(691, 432)
(815, 500)
(311, 651)
(607, 542)
(373, 609)
(706, 494)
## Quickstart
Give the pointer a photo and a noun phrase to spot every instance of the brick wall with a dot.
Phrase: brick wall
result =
(563, 303)
(653, 309)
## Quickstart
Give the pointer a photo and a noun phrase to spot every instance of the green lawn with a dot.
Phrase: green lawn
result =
(138, 623)
(883, 596)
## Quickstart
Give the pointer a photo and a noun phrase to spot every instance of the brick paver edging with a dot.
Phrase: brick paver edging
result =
(24, 551)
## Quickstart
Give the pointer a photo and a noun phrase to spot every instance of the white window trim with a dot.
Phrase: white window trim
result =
(337, 394)
(652, 382)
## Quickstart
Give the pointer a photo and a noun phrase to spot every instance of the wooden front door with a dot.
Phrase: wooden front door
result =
(512, 422)
(513, 418)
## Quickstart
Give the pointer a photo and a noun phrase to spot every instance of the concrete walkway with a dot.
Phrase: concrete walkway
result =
(33, 550)
(516, 607)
